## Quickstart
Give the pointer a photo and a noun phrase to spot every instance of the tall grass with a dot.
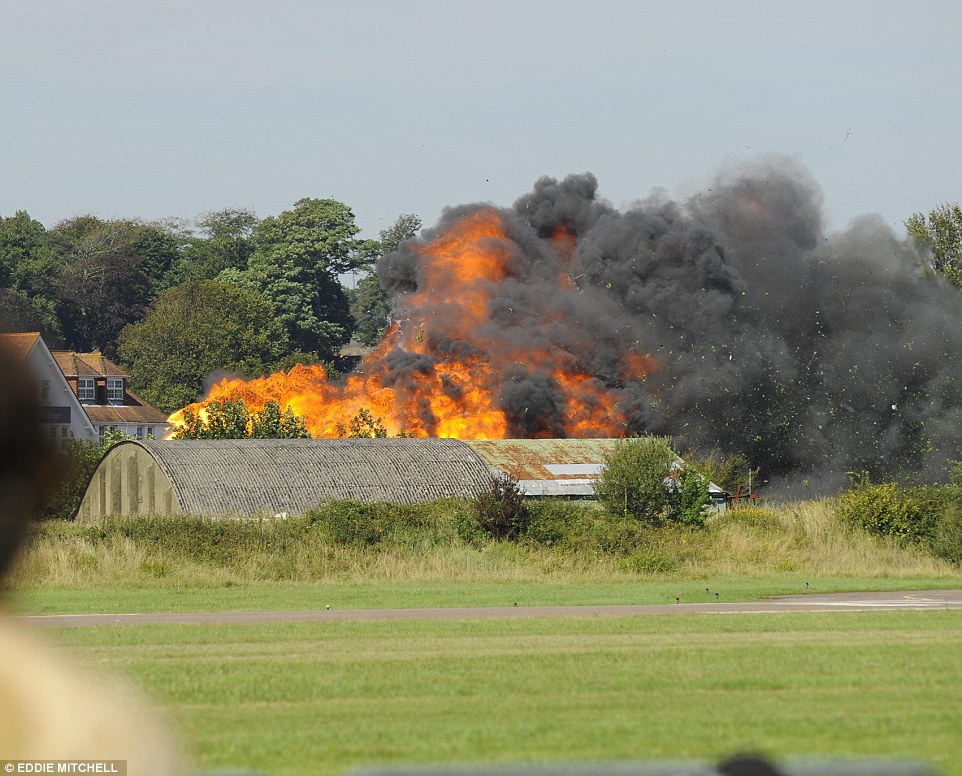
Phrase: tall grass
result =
(564, 542)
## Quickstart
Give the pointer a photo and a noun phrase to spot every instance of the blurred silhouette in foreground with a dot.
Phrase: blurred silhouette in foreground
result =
(49, 710)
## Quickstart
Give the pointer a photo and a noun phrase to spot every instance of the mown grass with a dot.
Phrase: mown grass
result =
(327, 698)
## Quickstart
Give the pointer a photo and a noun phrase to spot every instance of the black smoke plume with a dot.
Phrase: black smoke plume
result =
(812, 354)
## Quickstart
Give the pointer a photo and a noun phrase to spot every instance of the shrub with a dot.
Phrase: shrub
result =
(881, 509)
(645, 480)
(689, 500)
(946, 540)
(500, 510)
(633, 481)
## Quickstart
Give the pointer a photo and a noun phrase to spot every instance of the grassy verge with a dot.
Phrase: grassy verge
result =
(350, 544)
(325, 698)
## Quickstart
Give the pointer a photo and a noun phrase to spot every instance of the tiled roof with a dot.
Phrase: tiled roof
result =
(86, 364)
(19, 343)
(136, 411)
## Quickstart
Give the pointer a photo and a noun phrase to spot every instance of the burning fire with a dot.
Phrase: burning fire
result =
(443, 367)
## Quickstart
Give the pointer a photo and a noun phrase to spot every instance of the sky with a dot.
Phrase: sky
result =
(160, 109)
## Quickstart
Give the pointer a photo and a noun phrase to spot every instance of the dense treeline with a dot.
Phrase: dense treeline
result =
(173, 301)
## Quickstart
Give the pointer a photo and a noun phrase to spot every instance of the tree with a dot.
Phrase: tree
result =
(364, 425)
(405, 227)
(501, 510)
(370, 309)
(226, 242)
(98, 295)
(233, 419)
(29, 265)
(645, 480)
(195, 329)
(941, 233)
(19, 313)
(296, 262)
(152, 248)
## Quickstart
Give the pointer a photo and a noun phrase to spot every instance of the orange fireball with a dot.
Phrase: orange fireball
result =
(444, 370)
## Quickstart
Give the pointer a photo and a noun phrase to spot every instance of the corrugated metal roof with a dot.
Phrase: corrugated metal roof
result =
(544, 459)
(254, 476)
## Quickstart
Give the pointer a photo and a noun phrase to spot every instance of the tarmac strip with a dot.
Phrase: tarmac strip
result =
(833, 602)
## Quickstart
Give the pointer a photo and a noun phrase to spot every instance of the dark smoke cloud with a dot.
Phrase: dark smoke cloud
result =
(813, 354)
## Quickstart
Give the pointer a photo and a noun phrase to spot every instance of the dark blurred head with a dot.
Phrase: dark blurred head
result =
(27, 464)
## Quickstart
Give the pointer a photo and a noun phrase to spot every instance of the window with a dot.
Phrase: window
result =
(45, 390)
(86, 390)
(115, 390)
(140, 432)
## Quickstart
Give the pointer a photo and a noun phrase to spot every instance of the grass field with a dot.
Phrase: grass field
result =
(329, 697)
(380, 594)
(326, 698)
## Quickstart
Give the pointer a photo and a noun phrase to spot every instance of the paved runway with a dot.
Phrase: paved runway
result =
(834, 602)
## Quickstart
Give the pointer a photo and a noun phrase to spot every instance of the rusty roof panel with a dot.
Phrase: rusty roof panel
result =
(544, 459)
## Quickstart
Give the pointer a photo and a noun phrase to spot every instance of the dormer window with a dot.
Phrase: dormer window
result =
(115, 390)
(86, 389)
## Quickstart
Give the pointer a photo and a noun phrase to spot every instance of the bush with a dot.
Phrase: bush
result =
(946, 540)
(644, 479)
(501, 510)
(633, 481)
(881, 509)
(689, 499)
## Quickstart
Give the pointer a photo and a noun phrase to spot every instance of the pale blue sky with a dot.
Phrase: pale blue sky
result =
(156, 109)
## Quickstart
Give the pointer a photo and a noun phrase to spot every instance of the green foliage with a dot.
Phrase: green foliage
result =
(195, 329)
(643, 479)
(689, 500)
(79, 462)
(726, 471)
(500, 510)
(296, 262)
(98, 296)
(370, 309)
(946, 539)
(941, 233)
(226, 242)
(405, 227)
(364, 425)
(29, 265)
(633, 483)
(233, 419)
(361, 524)
(881, 509)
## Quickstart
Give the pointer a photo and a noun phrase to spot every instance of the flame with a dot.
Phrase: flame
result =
(458, 363)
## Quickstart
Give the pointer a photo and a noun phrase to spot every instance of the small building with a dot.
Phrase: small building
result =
(249, 477)
(103, 391)
(548, 467)
(61, 412)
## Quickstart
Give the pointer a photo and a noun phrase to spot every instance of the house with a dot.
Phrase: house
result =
(83, 395)
(61, 412)
(102, 388)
